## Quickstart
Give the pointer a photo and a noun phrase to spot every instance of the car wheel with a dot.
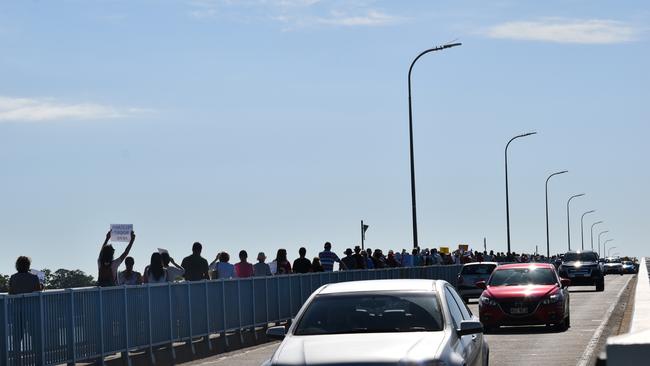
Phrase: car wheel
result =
(567, 321)
(561, 326)
(600, 286)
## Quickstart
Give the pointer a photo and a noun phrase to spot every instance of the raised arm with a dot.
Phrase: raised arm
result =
(108, 237)
(128, 247)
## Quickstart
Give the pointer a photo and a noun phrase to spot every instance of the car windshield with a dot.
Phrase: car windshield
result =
(613, 260)
(478, 269)
(371, 313)
(582, 257)
(523, 276)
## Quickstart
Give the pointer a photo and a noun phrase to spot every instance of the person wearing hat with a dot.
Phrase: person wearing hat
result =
(359, 259)
(349, 261)
(261, 269)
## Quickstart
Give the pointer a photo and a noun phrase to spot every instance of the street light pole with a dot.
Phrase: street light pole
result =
(568, 217)
(582, 227)
(599, 236)
(610, 248)
(414, 212)
(592, 235)
(507, 191)
(548, 240)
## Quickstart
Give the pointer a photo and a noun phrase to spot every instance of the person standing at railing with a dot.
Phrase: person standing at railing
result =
(327, 258)
(195, 266)
(359, 260)
(282, 263)
(302, 264)
(367, 255)
(155, 272)
(243, 269)
(23, 282)
(129, 277)
(174, 272)
(348, 262)
(316, 266)
(221, 268)
(108, 266)
(260, 268)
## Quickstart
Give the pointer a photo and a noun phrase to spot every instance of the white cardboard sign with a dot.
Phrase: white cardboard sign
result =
(121, 232)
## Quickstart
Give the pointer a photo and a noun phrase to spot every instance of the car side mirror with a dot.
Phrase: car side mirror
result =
(468, 327)
(565, 282)
(276, 332)
(481, 284)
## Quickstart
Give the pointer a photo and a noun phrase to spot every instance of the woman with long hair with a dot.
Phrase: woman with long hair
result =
(155, 272)
(282, 263)
(107, 265)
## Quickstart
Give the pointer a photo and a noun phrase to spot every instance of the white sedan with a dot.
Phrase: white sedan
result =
(383, 322)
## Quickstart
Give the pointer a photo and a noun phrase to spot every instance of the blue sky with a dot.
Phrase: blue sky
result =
(261, 124)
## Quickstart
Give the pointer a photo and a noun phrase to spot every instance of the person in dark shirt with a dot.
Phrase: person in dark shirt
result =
(195, 266)
(316, 266)
(349, 262)
(302, 264)
(358, 258)
(23, 282)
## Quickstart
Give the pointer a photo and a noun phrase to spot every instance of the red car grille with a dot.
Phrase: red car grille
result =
(518, 308)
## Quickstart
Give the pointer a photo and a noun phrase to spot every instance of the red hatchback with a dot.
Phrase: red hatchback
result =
(525, 294)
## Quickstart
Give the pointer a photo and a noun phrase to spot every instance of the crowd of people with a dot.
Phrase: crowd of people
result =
(162, 267)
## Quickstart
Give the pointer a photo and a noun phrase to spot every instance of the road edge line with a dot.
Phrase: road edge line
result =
(593, 342)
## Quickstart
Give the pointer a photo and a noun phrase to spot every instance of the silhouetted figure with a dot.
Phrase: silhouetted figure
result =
(174, 272)
(316, 266)
(221, 268)
(129, 277)
(327, 257)
(359, 260)
(23, 282)
(282, 263)
(243, 269)
(155, 272)
(348, 262)
(260, 268)
(107, 265)
(302, 264)
(195, 266)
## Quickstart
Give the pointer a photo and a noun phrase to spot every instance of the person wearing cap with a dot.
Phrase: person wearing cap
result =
(348, 262)
(261, 269)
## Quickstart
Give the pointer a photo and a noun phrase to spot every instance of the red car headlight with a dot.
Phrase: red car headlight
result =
(553, 299)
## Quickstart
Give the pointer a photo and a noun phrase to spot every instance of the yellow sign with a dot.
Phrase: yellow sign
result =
(444, 250)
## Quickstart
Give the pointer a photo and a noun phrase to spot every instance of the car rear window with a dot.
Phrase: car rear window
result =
(478, 269)
(523, 276)
(371, 313)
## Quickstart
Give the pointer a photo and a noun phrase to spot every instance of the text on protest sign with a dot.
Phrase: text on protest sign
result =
(121, 232)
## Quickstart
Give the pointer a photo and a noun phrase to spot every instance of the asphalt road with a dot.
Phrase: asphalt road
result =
(508, 346)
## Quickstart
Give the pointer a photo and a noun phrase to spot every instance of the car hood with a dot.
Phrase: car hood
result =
(518, 292)
(354, 349)
(613, 264)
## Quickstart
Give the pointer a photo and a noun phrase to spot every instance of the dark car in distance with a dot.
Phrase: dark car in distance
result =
(583, 269)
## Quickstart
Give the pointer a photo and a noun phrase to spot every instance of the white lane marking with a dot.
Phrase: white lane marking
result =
(593, 342)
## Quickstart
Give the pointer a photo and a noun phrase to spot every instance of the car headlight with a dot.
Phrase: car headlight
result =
(553, 299)
(486, 300)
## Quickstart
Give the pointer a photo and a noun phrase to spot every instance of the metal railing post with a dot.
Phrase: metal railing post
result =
(171, 322)
(42, 328)
(71, 325)
(126, 327)
(101, 326)
(151, 354)
(223, 313)
(189, 316)
(207, 315)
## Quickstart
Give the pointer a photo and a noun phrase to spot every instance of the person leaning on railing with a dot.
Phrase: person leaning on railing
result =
(23, 282)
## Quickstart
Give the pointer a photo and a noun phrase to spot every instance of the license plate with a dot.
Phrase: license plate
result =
(518, 311)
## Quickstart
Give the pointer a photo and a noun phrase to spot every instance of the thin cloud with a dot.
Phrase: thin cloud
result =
(294, 13)
(37, 110)
(591, 31)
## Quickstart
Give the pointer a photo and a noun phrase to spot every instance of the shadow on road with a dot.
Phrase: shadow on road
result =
(533, 329)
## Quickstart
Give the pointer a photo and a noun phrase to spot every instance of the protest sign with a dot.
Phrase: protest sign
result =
(444, 250)
(39, 274)
(463, 247)
(121, 232)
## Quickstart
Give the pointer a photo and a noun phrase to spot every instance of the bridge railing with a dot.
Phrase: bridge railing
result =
(68, 326)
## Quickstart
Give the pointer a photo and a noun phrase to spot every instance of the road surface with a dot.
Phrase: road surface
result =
(508, 346)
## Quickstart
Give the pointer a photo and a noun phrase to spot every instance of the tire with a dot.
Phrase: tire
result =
(561, 326)
(600, 286)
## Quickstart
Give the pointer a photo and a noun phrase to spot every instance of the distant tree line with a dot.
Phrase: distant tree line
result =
(59, 279)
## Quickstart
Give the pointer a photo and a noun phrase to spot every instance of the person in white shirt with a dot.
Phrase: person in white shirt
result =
(222, 269)
(155, 272)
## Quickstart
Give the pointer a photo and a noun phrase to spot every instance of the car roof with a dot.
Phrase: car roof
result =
(524, 265)
(479, 263)
(379, 285)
